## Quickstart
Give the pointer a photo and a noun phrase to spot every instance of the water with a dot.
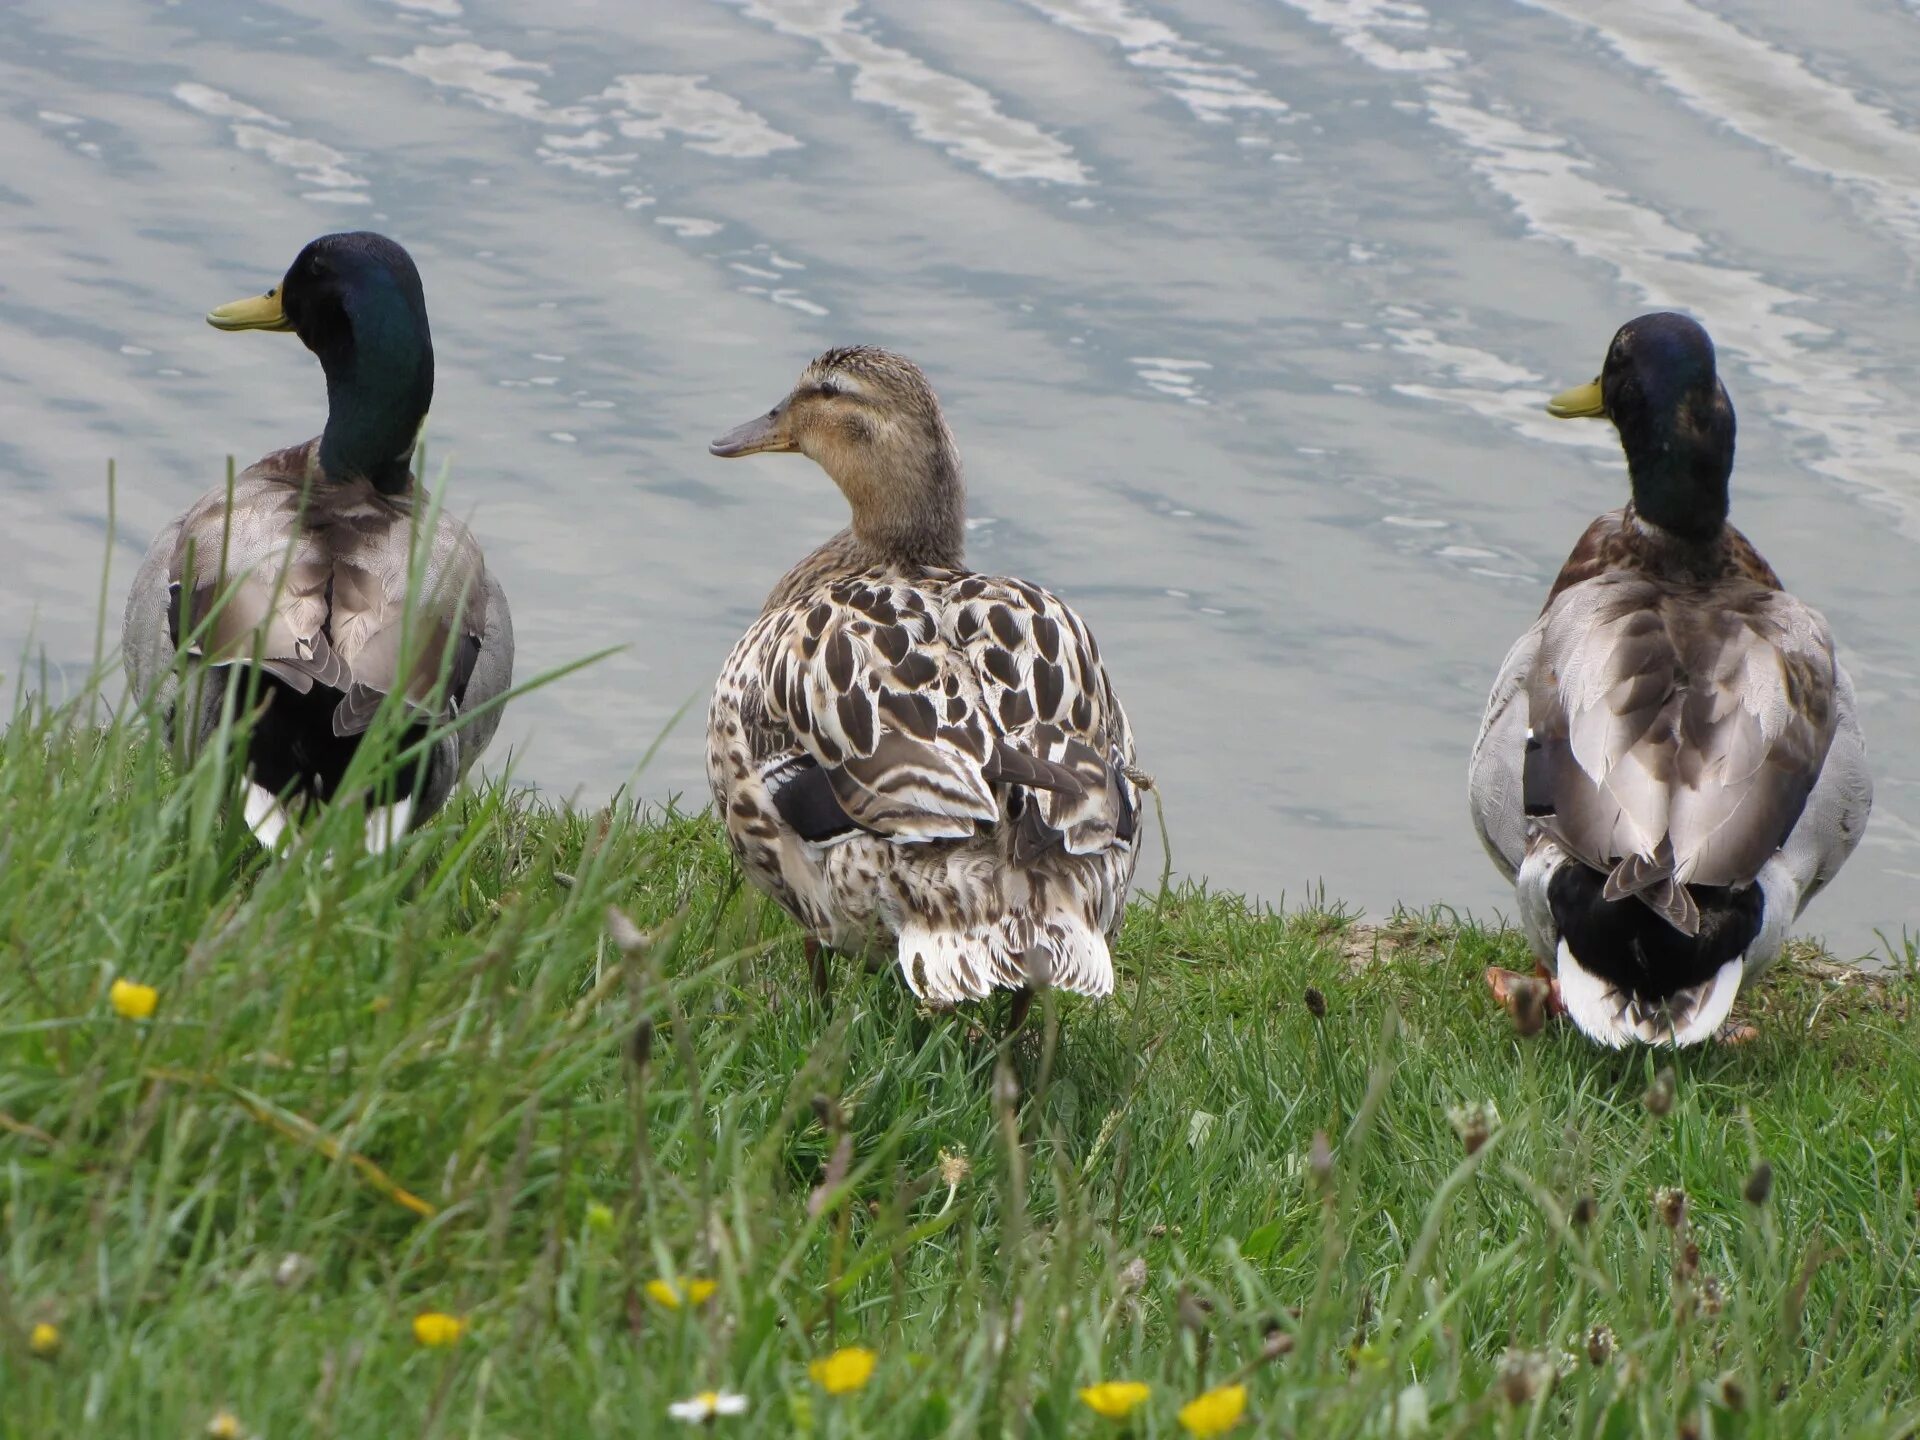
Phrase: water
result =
(1243, 311)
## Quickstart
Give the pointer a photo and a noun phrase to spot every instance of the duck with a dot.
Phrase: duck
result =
(913, 759)
(289, 586)
(1670, 765)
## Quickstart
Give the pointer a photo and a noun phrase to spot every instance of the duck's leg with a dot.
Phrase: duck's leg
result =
(1017, 1011)
(1519, 997)
(1736, 1032)
(817, 968)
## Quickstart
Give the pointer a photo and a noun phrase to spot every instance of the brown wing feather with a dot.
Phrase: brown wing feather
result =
(855, 675)
(1678, 731)
(1044, 688)
(311, 576)
(919, 697)
(1614, 541)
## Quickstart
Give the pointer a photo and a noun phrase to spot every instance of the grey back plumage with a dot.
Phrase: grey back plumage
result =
(311, 577)
(1674, 741)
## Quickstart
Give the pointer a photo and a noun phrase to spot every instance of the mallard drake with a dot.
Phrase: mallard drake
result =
(909, 756)
(305, 566)
(1670, 766)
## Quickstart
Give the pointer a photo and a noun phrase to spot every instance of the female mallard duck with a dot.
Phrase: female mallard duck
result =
(303, 568)
(1670, 766)
(909, 754)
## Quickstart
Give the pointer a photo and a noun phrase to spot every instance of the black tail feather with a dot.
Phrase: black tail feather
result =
(1633, 946)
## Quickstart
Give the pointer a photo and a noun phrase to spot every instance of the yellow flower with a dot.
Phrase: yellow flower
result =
(1115, 1399)
(599, 1217)
(1215, 1412)
(133, 1001)
(44, 1340)
(844, 1371)
(686, 1292)
(436, 1330)
(225, 1425)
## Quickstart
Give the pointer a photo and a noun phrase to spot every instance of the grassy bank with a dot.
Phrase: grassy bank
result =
(446, 1080)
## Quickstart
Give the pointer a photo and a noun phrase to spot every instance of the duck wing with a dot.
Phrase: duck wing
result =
(1046, 696)
(1676, 731)
(915, 698)
(1494, 775)
(310, 579)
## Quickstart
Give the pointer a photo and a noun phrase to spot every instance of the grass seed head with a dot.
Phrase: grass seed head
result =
(1600, 1345)
(1759, 1184)
(1525, 1374)
(1670, 1205)
(1659, 1096)
(1474, 1123)
(1006, 1086)
(1713, 1297)
(1316, 1003)
(1527, 998)
(1585, 1210)
(1732, 1394)
(629, 937)
(1320, 1161)
(955, 1167)
(1133, 1276)
(1195, 1310)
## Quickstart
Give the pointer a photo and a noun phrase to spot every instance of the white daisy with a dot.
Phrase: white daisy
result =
(706, 1406)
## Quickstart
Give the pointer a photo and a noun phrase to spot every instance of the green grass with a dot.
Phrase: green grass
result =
(442, 1080)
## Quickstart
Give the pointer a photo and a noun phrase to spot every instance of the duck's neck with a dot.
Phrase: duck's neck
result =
(925, 536)
(912, 512)
(1681, 463)
(379, 385)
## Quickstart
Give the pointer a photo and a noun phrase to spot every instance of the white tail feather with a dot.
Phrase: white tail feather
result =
(1609, 1015)
(949, 966)
(1711, 1004)
(387, 823)
(265, 815)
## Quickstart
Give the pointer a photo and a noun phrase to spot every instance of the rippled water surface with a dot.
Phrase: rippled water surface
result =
(1243, 312)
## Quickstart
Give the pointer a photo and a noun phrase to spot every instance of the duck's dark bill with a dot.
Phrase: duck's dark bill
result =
(762, 433)
(1582, 402)
(256, 312)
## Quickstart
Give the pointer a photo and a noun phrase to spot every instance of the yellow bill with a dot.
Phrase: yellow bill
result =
(1582, 402)
(256, 312)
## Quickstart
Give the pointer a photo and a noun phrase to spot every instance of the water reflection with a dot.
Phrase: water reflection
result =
(1243, 311)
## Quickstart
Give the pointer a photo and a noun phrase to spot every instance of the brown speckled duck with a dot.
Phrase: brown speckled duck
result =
(910, 756)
